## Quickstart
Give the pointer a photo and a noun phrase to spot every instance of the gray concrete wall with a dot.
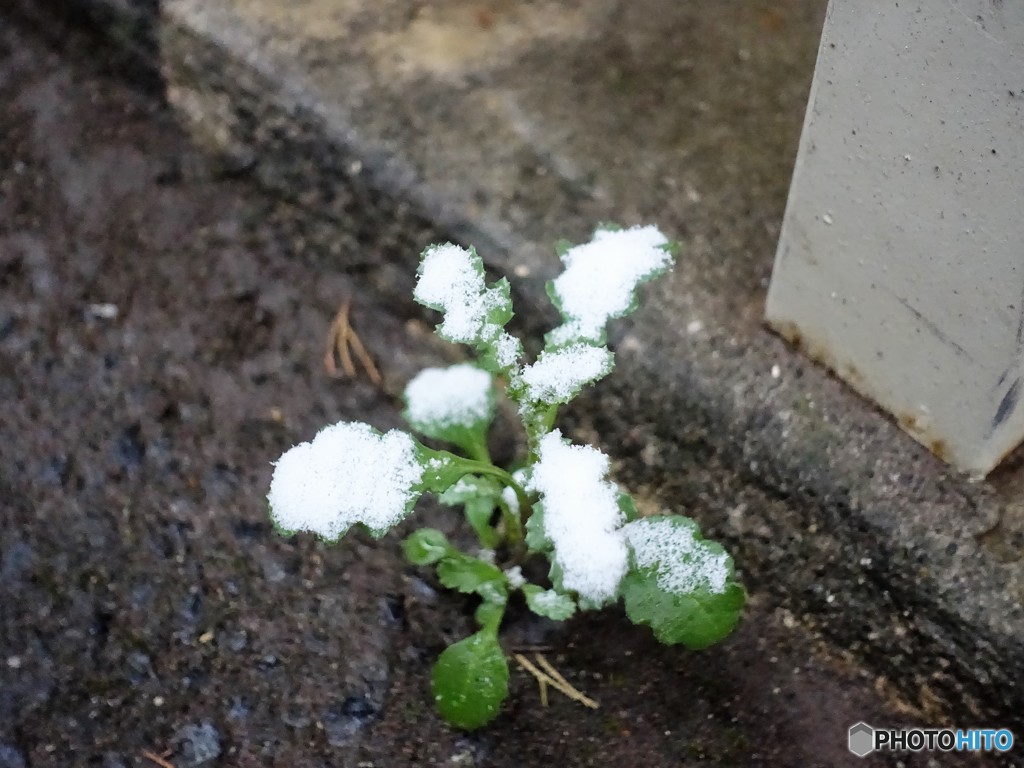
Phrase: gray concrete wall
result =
(901, 258)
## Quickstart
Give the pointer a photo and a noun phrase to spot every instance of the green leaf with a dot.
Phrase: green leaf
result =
(498, 351)
(485, 310)
(569, 332)
(469, 488)
(463, 422)
(425, 546)
(467, 574)
(500, 295)
(554, 298)
(679, 584)
(479, 513)
(557, 577)
(548, 602)
(559, 374)
(441, 469)
(470, 680)
(471, 440)
(495, 592)
(479, 497)
(537, 540)
(537, 418)
(696, 620)
(500, 354)
(627, 506)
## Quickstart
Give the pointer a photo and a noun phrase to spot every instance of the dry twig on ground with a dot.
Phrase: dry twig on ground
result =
(343, 341)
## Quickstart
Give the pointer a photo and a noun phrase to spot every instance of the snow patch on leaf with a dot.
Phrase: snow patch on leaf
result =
(558, 375)
(682, 564)
(451, 280)
(514, 577)
(507, 350)
(348, 474)
(508, 495)
(601, 278)
(581, 517)
(549, 603)
(460, 395)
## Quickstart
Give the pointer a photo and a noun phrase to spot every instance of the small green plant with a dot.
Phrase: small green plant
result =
(558, 503)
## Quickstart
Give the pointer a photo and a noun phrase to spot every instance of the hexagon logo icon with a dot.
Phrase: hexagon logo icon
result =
(862, 739)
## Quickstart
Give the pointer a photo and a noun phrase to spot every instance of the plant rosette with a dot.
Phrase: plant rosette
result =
(559, 504)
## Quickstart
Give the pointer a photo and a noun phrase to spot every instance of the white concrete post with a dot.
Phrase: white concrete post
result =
(901, 258)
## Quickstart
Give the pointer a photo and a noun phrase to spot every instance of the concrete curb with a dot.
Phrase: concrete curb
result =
(687, 117)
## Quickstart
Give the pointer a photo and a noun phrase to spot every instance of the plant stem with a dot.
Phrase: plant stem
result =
(518, 526)
(513, 525)
(548, 418)
(478, 452)
(537, 423)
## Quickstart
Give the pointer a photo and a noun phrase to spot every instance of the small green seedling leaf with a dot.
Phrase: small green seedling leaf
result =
(495, 592)
(467, 574)
(479, 497)
(454, 405)
(628, 507)
(441, 469)
(560, 373)
(499, 302)
(679, 584)
(548, 602)
(426, 546)
(537, 540)
(601, 278)
(479, 513)
(562, 245)
(696, 620)
(558, 579)
(451, 280)
(470, 680)
(468, 488)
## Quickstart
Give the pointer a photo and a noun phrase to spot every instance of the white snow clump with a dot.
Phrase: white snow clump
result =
(559, 374)
(508, 495)
(348, 474)
(681, 565)
(601, 276)
(514, 577)
(460, 395)
(451, 280)
(581, 517)
(507, 350)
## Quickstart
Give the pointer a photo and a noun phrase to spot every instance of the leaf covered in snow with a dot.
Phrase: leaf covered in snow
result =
(678, 583)
(454, 404)
(348, 474)
(601, 278)
(451, 281)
